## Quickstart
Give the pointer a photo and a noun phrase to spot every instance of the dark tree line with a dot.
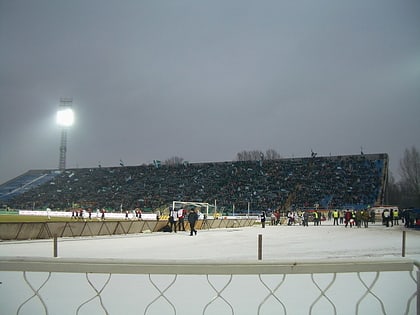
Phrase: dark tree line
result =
(175, 160)
(406, 192)
(256, 155)
(253, 155)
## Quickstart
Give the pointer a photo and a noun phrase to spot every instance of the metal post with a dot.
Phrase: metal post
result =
(418, 292)
(259, 246)
(55, 246)
(403, 243)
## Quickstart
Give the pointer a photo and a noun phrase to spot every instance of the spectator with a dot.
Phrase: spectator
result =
(303, 182)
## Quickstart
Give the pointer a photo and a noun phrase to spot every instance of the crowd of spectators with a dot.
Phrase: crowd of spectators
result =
(299, 182)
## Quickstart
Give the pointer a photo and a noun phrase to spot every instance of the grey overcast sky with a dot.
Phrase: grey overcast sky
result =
(206, 79)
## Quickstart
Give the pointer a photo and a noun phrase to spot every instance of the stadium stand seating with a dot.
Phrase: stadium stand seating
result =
(331, 182)
(24, 183)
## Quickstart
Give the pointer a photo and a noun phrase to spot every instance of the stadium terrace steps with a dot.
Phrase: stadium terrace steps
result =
(334, 181)
(24, 183)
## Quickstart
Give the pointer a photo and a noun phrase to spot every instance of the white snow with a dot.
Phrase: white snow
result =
(280, 243)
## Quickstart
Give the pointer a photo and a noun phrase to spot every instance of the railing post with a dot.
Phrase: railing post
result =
(259, 246)
(403, 243)
(418, 291)
(55, 245)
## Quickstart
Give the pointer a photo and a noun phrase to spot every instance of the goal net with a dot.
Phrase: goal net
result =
(202, 206)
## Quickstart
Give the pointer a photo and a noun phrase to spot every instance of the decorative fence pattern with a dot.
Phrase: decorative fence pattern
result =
(98, 286)
(46, 230)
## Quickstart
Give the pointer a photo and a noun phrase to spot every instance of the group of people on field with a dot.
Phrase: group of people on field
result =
(136, 214)
(348, 217)
(358, 218)
(294, 217)
(391, 217)
(177, 220)
(79, 213)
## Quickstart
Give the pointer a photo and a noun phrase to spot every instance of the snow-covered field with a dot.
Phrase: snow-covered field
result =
(279, 243)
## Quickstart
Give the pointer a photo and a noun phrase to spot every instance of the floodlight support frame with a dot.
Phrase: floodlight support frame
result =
(65, 102)
(63, 149)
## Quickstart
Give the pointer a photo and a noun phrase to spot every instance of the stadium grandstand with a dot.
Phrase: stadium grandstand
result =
(350, 181)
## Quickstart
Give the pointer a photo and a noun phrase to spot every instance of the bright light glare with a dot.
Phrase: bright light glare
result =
(65, 117)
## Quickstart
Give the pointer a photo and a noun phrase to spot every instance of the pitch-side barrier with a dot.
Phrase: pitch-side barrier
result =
(119, 286)
(80, 228)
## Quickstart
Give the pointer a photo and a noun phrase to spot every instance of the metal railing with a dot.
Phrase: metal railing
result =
(110, 286)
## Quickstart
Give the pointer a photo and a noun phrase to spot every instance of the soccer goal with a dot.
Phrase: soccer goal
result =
(189, 204)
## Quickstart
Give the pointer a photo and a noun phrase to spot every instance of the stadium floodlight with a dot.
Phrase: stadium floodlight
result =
(65, 119)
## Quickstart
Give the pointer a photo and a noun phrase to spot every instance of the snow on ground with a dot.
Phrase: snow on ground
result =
(279, 243)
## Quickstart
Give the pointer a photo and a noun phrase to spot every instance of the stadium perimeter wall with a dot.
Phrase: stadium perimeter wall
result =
(48, 230)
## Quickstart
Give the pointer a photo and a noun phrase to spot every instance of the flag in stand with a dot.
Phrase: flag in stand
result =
(156, 163)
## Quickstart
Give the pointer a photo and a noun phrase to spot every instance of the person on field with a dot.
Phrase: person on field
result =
(365, 218)
(173, 219)
(341, 214)
(192, 220)
(305, 218)
(348, 218)
(335, 215)
(396, 216)
(272, 219)
(358, 218)
(263, 218)
(277, 214)
(372, 216)
(316, 218)
(386, 217)
(138, 213)
(181, 216)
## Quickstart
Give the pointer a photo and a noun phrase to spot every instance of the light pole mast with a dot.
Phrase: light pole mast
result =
(63, 150)
(65, 118)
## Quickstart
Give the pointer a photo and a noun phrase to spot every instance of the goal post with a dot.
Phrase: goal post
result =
(181, 204)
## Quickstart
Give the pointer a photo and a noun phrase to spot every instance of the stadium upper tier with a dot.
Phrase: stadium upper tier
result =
(340, 181)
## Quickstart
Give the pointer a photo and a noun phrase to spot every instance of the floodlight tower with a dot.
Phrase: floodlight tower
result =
(65, 119)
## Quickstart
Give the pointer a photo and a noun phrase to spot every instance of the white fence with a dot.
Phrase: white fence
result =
(110, 286)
